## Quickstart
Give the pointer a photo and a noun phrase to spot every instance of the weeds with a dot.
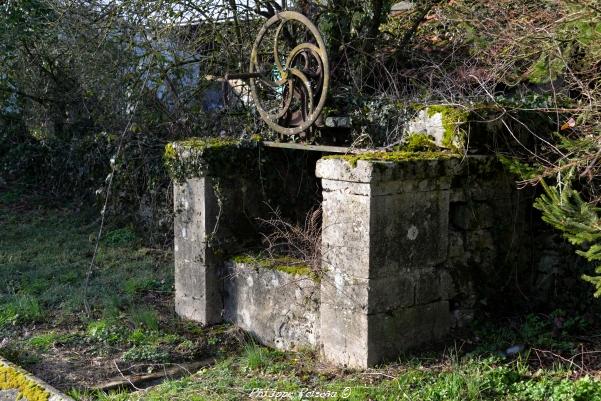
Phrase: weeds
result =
(44, 253)
(127, 328)
(43, 342)
(144, 317)
(121, 236)
(550, 332)
(297, 376)
(20, 309)
(106, 332)
(255, 356)
(300, 242)
(145, 353)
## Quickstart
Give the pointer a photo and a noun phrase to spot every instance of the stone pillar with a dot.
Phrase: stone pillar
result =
(215, 201)
(385, 233)
(197, 270)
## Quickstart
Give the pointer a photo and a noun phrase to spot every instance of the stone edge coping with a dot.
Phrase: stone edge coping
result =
(55, 395)
(366, 171)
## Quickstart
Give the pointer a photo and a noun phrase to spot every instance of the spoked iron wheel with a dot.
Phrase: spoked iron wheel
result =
(290, 81)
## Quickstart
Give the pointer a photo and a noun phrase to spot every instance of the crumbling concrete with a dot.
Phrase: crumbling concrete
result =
(405, 245)
(279, 308)
(385, 230)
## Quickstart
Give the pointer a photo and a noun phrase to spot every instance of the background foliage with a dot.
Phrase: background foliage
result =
(90, 88)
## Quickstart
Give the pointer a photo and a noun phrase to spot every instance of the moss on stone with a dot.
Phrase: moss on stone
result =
(201, 145)
(13, 379)
(170, 152)
(196, 157)
(419, 142)
(209, 143)
(284, 264)
(256, 138)
(452, 118)
(398, 156)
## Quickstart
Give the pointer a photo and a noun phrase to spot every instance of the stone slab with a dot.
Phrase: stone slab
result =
(280, 309)
(408, 230)
(373, 171)
(15, 395)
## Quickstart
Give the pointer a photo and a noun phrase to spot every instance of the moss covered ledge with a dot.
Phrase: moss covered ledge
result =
(397, 156)
(13, 379)
(285, 264)
(388, 166)
(210, 156)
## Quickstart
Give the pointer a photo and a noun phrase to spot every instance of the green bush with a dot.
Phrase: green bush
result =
(579, 221)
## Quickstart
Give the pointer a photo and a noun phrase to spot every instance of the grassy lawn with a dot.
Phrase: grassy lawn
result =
(282, 376)
(130, 327)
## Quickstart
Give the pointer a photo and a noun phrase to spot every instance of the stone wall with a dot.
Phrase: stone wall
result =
(410, 249)
(280, 308)
(489, 237)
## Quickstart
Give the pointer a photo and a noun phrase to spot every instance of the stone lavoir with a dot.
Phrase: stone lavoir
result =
(407, 242)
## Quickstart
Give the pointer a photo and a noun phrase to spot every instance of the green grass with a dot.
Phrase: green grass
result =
(20, 308)
(44, 341)
(293, 376)
(145, 318)
(256, 357)
(44, 256)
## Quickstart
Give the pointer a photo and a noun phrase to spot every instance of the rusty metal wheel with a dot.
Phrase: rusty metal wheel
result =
(289, 91)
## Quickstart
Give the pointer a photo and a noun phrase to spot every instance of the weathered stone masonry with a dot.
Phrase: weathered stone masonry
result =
(403, 243)
(385, 230)
(197, 269)
(279, 308)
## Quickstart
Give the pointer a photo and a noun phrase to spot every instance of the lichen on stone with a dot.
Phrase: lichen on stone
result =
(13, 379)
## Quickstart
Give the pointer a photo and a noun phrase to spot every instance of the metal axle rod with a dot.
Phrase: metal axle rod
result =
(247, 75)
